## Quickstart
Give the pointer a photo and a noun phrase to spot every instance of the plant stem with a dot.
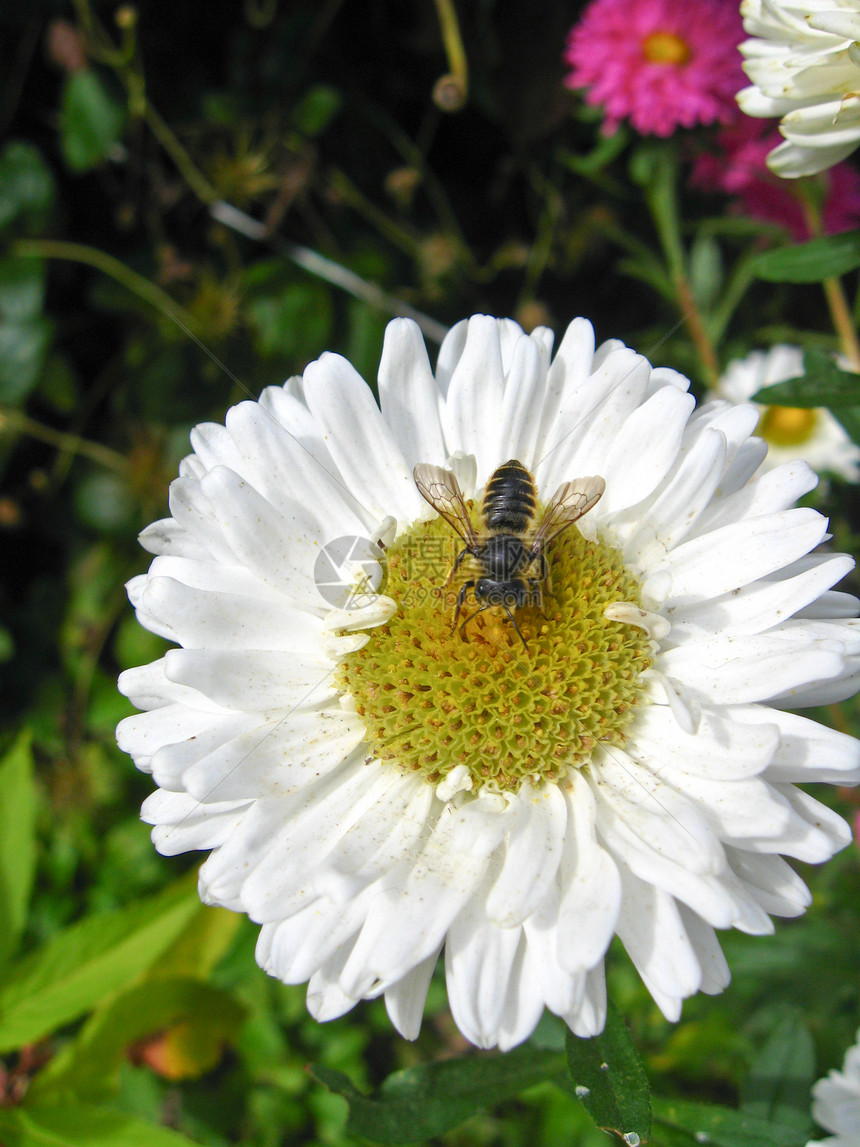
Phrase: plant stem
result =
(700, 338)
(343, 186)
(841, 315)
(661, 195)
(840, 312)
(195, 179)
(451, 90)
(93, 257)
(19, 423)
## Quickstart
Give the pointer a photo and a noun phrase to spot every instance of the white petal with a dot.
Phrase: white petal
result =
(182, 824)
(642, 809)
(647, 536)
(585, 438)
(820, 832)
(590, 886)
(297, 948)
(722, 748)
(560, 988)
(203, 620)
(588, 1016)
(143, 734)
(757, 607)
(807, 751)
(735, 555)
(149, 687)
(652, 435)
(367, 454)
(404, 1001)
(253, 679)
(479, 959)
(409, 921)
(280, 550)
(326, 999)
(171, 761)
(283, 469)
(277, 758)
(194, 512)
(538, 819)
(652, 931)
(715, 970)
(523, 401)
(169, 537)
(775, 490)
(408, 394)
(524, 1001)
(568, 372)
(737, 670)
(772, 881)
(473, 411)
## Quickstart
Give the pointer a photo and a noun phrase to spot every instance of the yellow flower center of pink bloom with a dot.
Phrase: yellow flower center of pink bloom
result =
(665, 48)
(787, 425)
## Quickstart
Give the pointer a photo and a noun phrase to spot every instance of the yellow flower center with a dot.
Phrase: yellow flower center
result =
(665, 48)
(432, 699)
(787, 425)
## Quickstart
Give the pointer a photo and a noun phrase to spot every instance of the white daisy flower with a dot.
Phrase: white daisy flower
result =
(790, 431)
(375, 787)
(836, 1102)
(804, 64)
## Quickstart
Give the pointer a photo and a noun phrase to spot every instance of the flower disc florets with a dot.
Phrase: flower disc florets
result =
(507, 708)
(374, 788)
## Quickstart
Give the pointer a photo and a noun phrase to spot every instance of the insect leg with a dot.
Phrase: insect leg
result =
(461, 597)
(461, 557)
(506, 608)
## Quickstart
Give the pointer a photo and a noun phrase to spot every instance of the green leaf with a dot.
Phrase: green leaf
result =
(723, 1127)
(821, 384)
(74, 1124)
(200, 947)
(849, 419)
(81, 965)
(89, 1066)
(27, 188)
(654, 166)
(22, 288)
(316, 109)
(295, 321)
(606, 149)
(421, 1102)
(778, 1087)
(17, 842)
(811, 262)
(91, 120)
(649, 271)
(706, 271)
(607, 1075)
(58, 386)
(23, 347)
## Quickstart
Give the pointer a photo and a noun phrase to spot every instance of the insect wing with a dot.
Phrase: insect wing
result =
(442, 490)
(570, 501)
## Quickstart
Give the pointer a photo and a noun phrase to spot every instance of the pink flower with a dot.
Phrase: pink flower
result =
(661, 63)
(739, 167)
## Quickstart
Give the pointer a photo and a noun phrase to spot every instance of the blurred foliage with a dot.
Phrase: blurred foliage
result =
(133, 305)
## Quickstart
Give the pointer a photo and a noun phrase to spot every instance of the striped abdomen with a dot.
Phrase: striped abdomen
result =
(510, 501)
